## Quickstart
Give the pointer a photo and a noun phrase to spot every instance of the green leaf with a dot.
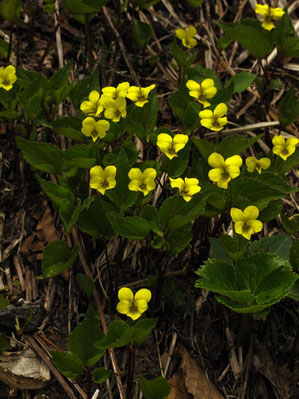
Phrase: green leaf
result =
(294, 291)
(260, 190)
(121, 195)
(63, 199)
(290, 163)
(119, 334)
(241, 81)
(204, 147)
(188, 212)
(82, 339)
(100, 375)
(284, 38)
(294, 255)
(151, 113)
(235, 246)
(42, 156)
(10, 9)
(80, 156)
(218, 250)
(82, 88)
(68, 127)
(278, 244)
(142, 32)
(195, 3)
(95, 222)
(3, 302)
(57, 258)
(85, 284)
(271, 211)
(178, 53)
(178, 239)
(142, 330)
(145, 3)
(133, 227)
(96, 5)
(60, 78)
(251, 35)
(157, 388)
(191, 117)
(4, 46)
(288, 111)
(234, 145)
(176, 167)
(77, 7)
(253, 284)
(68, 364)
(150, 213)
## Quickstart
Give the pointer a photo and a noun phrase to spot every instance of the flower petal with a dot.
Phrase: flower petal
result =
(216, 160)
(125, 294)
(177, 183)
(124, 306)
(237, 215)
(143, 294)
(251, 212)
(278, 140)
(235, 160)
(220, 110)
(149, 173)
(135, 174)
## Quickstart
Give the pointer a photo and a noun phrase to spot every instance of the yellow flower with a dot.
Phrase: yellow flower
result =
(133, 305)
(268, 14)
(245, 222)
(170, 146)
(139, 94)
(94, 129)
(114, 109)
(214, 120)
(202, 91)
(187, 188)
(120, 91)
(187, 36)
(284, 148)
(224, 170)
(7, 77)
(93, 106)
(258, 164)
(142, 181)
(102, 179)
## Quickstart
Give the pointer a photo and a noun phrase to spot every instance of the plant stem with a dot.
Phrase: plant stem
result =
(245, 330)
(131, 367)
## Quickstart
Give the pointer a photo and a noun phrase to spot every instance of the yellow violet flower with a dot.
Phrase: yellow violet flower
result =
(258, 164)
(284, 148)
(245, 222)
(214, 120)
(7, 77)
(94, 129)
(202, 91)
(142, 181)
(224, 170)
(170, 146)
(139, 94)
(187, 36)
(268, 14)
(187, 187)
(114, 109)
(133, 305)
(120, 91)
(93, 106)
(102, 179)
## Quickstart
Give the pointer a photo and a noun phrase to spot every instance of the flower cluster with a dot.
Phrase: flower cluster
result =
(268, 15)
(7, 77)
(187, 36)
(113, 103)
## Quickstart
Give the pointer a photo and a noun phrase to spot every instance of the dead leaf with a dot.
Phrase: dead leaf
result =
(46, 230)
(24, 370)
(191, 382)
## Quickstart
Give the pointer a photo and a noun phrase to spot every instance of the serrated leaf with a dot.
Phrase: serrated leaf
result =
(235, 144)
(204, 146)
(82, 339)
(278, 244)
(177, 240)
(150, 213)
(119, 334)
(57, 258)
(42, 156)
(294, 255)
(241, 81)
(271, 211)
